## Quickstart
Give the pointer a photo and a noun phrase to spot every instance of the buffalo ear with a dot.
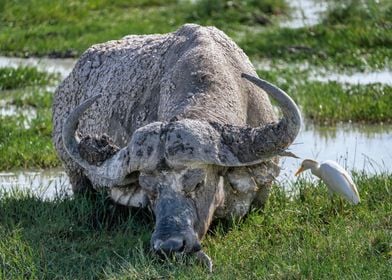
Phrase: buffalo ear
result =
(112, 171)
(240, 178)
(96, 149)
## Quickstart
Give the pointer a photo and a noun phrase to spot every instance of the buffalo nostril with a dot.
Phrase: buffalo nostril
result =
(196, 247)
(157, 245)
(169, 246)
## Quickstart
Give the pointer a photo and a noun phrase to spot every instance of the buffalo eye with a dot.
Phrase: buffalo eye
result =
(192, 179)
(148, 183)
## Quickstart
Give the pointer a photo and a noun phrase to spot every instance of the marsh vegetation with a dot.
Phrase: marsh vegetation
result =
(301, 233)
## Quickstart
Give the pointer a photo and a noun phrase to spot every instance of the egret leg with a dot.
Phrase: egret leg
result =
(333, 202)
(340, 204)
(330, 194)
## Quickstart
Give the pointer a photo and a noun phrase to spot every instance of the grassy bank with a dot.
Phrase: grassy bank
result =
(303, 236)
(64, 28)
(14, 78)
(332, 102)
(326, 103)
(352, 33)
(27, 143)
(26, 135)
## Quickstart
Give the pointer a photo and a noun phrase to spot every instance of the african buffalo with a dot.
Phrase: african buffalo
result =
(192, 132)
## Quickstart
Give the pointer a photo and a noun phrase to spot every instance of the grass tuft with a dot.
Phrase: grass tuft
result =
(302, 235)
(352, 33)
(27, 147)
(222, 13)
(14, 78)
(328, 103)
(26, 141)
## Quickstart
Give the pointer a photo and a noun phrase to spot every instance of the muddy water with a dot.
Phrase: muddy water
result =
(52, 65)
(28, 114)
(47, 184)
(321, 74)
(360, 78)
(305, 13)
(356, 147)
(360, 148)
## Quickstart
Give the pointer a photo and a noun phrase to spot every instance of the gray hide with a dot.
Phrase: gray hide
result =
(186, 122)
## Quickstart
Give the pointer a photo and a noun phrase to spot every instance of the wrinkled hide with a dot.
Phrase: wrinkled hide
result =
(190, 135)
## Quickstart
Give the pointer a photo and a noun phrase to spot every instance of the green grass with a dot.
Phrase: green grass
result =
(305, 236)
(330, 102)
(352, 34)
(67, 28)
(27, 143)
(33, 97)
(30, 147)
(229, 14)
(14, 78)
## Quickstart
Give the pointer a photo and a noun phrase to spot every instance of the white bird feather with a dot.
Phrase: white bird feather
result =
(334, 176)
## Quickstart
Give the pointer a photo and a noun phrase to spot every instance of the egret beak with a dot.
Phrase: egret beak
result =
(299, 171)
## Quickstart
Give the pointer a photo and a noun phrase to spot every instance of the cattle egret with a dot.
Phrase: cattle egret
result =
(334, 176)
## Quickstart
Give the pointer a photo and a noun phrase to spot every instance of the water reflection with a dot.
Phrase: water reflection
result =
(24, 115)
(356, 147)
(359, 78)
(63, 66)
(47, 184)
(12, 110)
(305, 13)
(322, 74)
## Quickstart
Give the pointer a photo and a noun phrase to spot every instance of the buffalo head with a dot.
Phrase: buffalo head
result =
(178, 167)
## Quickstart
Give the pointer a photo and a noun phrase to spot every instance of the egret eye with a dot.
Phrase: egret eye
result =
(192, 179)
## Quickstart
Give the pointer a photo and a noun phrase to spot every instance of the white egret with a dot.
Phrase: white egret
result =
(334, 176)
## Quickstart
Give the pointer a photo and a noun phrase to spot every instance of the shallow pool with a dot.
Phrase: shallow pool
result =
(63, 66)
(305, 13)
(364, 148)
(47, 184)
(357, 147)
